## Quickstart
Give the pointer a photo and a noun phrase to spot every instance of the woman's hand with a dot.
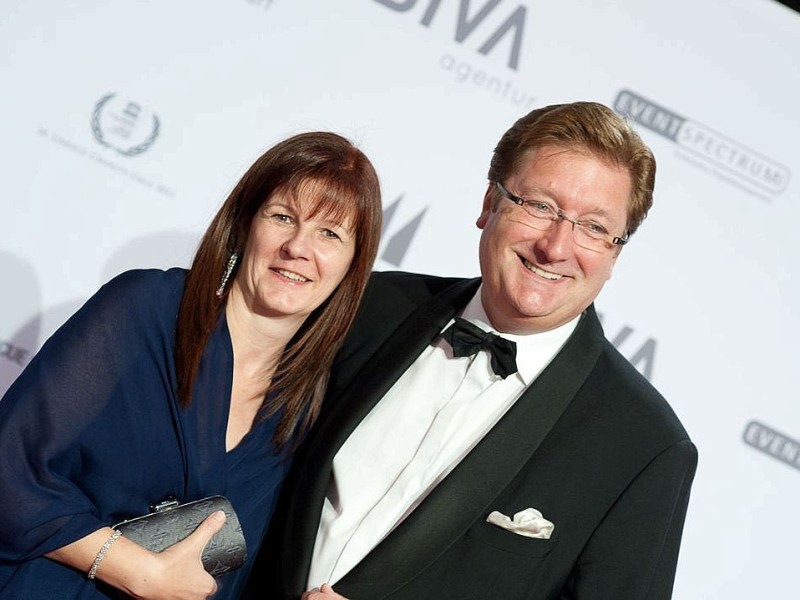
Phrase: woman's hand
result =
(324, 592)
(177, 573)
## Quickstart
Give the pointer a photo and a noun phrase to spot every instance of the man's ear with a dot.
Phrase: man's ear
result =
(488, 199)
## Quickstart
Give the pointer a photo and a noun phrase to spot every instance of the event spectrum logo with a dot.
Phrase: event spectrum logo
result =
(124, 125)
(770, 442)
(735, 162)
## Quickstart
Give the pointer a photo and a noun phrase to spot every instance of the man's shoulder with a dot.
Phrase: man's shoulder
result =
(391, 296)
(634, 396)
(614, 387)
(413, 286)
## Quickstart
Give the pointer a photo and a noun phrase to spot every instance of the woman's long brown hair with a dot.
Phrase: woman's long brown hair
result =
(344, 184)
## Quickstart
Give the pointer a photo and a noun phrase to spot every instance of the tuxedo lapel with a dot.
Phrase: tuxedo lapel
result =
(386, 366)
(466, 494)
(374, 379)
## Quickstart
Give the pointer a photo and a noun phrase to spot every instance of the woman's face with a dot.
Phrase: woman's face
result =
(293, 261)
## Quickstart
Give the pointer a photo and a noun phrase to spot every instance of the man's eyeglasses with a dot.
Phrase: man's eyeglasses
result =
(587, 234)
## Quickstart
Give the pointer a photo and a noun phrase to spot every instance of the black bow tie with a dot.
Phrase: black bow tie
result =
(467, 339)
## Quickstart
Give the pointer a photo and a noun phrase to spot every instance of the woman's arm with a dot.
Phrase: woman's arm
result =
(177, 573)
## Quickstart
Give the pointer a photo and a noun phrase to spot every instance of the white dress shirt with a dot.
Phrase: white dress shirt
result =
(433, 416)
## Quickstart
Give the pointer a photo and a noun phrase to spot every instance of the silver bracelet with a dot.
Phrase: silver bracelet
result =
(102, 553)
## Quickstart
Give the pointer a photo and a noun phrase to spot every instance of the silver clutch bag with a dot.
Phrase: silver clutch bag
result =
(170, 522)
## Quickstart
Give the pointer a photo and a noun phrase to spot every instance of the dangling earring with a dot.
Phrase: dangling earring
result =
(226, 275)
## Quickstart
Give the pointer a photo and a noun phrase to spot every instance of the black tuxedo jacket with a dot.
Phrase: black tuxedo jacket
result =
(591, 444)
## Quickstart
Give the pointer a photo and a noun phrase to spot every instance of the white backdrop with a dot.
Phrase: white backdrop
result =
(126, 125)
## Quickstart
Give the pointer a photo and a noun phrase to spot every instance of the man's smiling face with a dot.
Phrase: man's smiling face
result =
(536, 280)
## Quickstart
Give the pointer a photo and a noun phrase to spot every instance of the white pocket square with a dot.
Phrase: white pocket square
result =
(528, 522)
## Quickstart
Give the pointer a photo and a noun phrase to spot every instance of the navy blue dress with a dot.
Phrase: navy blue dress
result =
(91, 433)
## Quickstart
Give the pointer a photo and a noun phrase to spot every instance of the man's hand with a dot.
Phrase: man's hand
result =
(324, 592)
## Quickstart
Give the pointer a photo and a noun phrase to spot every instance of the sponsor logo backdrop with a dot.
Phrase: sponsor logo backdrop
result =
(127, 124)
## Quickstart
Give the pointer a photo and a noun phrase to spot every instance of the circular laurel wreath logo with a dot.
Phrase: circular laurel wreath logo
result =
(99, 129)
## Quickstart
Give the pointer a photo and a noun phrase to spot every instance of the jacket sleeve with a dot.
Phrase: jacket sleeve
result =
(633, 553)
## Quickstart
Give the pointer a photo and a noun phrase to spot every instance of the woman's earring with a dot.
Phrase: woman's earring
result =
(226, 275)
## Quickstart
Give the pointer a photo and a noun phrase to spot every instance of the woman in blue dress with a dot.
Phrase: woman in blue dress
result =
(187, 384)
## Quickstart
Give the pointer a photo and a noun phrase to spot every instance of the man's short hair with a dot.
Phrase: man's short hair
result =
(581, 127)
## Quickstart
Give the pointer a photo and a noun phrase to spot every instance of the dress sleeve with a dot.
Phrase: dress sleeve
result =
(46, 412)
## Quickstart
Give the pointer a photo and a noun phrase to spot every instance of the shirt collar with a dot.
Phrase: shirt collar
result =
(534, 351)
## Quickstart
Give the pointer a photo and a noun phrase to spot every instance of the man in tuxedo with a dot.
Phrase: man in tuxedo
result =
(482, 438)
